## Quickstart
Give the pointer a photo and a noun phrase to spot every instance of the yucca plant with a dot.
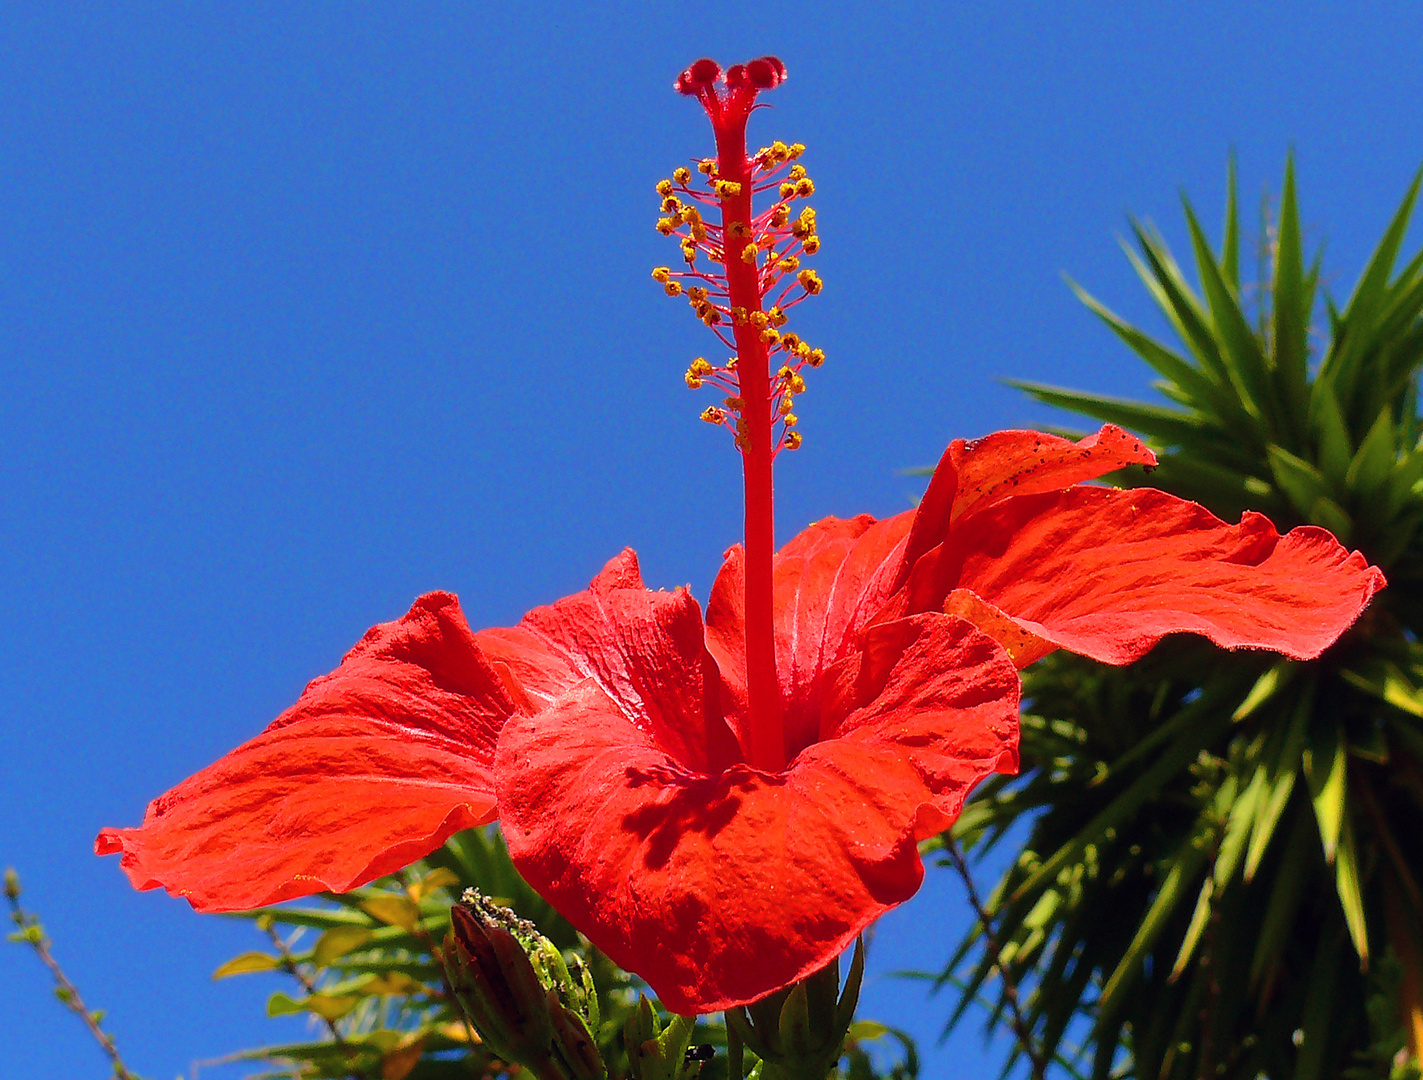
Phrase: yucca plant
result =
(1224, 871)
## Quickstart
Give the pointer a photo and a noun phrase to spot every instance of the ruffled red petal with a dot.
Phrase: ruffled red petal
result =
(644, 649)
(719, 888)
(375, 765)
(1108, 573)
(828, 581)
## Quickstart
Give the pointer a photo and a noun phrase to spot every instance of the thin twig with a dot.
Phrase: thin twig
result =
(1017, 1021)
(292, 968)
(30, 933)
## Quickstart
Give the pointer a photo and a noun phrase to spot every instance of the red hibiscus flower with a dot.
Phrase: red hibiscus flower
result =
(721, 805)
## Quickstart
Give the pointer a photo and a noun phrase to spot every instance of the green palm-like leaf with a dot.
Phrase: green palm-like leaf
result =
(1224, 847)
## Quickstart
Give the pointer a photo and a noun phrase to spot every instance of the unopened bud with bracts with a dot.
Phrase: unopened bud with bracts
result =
(799, 1032)
(529, 1005)
(657, 1053)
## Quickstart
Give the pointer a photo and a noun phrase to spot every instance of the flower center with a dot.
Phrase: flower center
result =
(743, 275)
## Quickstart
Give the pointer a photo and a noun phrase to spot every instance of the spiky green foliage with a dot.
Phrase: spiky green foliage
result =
(1224, 871)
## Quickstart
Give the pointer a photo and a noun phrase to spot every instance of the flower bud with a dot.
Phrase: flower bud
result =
(799, 1031)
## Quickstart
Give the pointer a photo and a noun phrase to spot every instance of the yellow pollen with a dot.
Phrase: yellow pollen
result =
(701, 367)
(749, 253)
(696, 292)
(681, 174)
(711, 316)
(664, 188)
(712, 415)
(790, 419)
(673, 288)
(727, 189)
(793, 440)
(735, 404)
(777, 317)
(731, 363)
(665, 226)
(790, 342)
(738, 315)
(706, 166)
(693, 383)
(662, 274)
(804, 187)
(789, 265)
(699, 231)
(810, 282)
(811, 244)
(780, 216)
(802, 351)
(816, 357)
(759, 319)
(770, 335)
(671, 204)
(691, 215)
(797, 173)
(739, 230)
(787, 404)
(796, 385)
(795, 151)
(787, 191)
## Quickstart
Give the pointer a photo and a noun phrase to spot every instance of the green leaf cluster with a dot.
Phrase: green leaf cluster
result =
(1224, 857)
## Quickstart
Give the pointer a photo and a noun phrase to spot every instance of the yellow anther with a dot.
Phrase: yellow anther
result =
(681, 174)
(795, 385)
(804, 187)
(697, 293)
(727, 189)
(797, 173)
(793, 440)
(790, 419)
(807, 215)
(770, 335)
(665, 226)
(811, 244)
(700, 366)
(787, 404)
(671, 204)
(706, 166)
(673, 288)
(664, 188)
(691, 215)
(699, 231)
(712, 415)
(816, 357)
(802, 351)
(789, 265)
(689, 251)
(777, 317)
(693, 383)
(731, 363)
(749, 253)
(738, 315)
(735, 404)
(711, 316)
(780, 215)
(662, 274)
(787, 191)
(789, 342)
(739, 230)
(759, 319)
(795, 150)
(810, 282)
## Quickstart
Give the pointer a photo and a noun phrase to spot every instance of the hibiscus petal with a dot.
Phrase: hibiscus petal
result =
(1108, 573)
(828, 581)
(375, 765)
(719, 888)
(644, 649)
(974, 475)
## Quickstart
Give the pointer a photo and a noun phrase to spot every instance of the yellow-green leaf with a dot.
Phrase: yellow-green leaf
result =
(400, 1062)
(337, 942)
(1346, 870)
(393, 910)
(1328, 786)
(326, 1006)
(436, 879)
(248, 962)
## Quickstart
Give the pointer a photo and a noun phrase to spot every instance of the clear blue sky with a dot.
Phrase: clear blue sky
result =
(308, 309)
